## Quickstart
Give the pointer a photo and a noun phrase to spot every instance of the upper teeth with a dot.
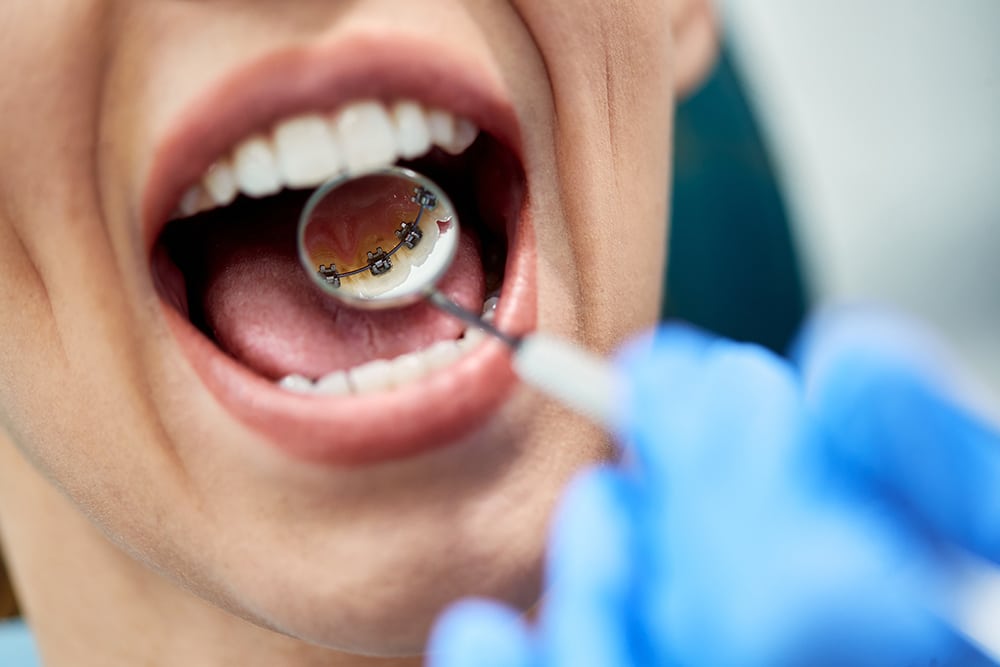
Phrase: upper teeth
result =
(305, 151)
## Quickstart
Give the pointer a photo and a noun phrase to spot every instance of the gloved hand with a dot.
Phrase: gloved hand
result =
(770, 514)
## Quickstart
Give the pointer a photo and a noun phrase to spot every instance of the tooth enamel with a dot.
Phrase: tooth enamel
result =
(442, 127)
(465, 135)
(256, 169)
(490, 305)
(381, 375)
(306, 151)
(194, 201)
(367, 285)
(371, 377)
(413, 138)
(366, 136)
(297, 383)
(432, 232)
(189, 203)
(407, 368)
(441, 354)
(473, 337)
(220, 183)
(334, 384)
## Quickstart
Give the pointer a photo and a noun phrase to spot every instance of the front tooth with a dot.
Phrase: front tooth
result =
(306, 152)
(407, 368)
(441, 354)
(464, 136)
(413, 138)
(442, 127)
(371, 377)
(334, 384)
(220, 182)
(256, 169)
(297, 383)
(366, 136)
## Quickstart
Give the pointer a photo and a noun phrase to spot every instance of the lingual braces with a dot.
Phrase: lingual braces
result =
(380, 261)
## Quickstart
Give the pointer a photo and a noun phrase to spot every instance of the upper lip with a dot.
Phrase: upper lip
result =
(322, 78)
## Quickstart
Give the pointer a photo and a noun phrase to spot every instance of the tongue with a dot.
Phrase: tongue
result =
(265, 311)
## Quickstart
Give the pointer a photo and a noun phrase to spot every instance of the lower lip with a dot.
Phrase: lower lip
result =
(358, 430)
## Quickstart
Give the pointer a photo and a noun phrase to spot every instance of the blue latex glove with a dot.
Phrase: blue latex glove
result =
(772, 514)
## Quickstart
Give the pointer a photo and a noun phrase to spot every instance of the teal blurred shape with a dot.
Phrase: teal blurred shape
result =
(733, 267)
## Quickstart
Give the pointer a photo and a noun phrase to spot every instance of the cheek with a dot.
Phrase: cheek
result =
(610, 71)
(54, 259)
(29, 346)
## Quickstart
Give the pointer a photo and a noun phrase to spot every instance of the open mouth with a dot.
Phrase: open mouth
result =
(323, 381)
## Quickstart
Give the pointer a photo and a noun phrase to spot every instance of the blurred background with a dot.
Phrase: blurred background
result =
(844, 150)
(841, 150)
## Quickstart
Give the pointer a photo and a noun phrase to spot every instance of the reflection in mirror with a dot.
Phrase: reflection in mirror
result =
(379, 240)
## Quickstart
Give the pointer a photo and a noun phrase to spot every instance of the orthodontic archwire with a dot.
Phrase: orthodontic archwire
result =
(380, 261)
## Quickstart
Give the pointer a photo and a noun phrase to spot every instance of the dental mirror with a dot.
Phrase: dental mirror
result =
(385, 239)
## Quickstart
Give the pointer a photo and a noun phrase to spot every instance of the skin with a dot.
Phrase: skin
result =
(142, 524)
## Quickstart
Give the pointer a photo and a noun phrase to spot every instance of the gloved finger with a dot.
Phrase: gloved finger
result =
(885, 392)
(707, 411)
(478, 633)
(818, 584)
(585, 616)
(722, 446)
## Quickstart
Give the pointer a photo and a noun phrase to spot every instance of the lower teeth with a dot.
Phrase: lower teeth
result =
(381, 375)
